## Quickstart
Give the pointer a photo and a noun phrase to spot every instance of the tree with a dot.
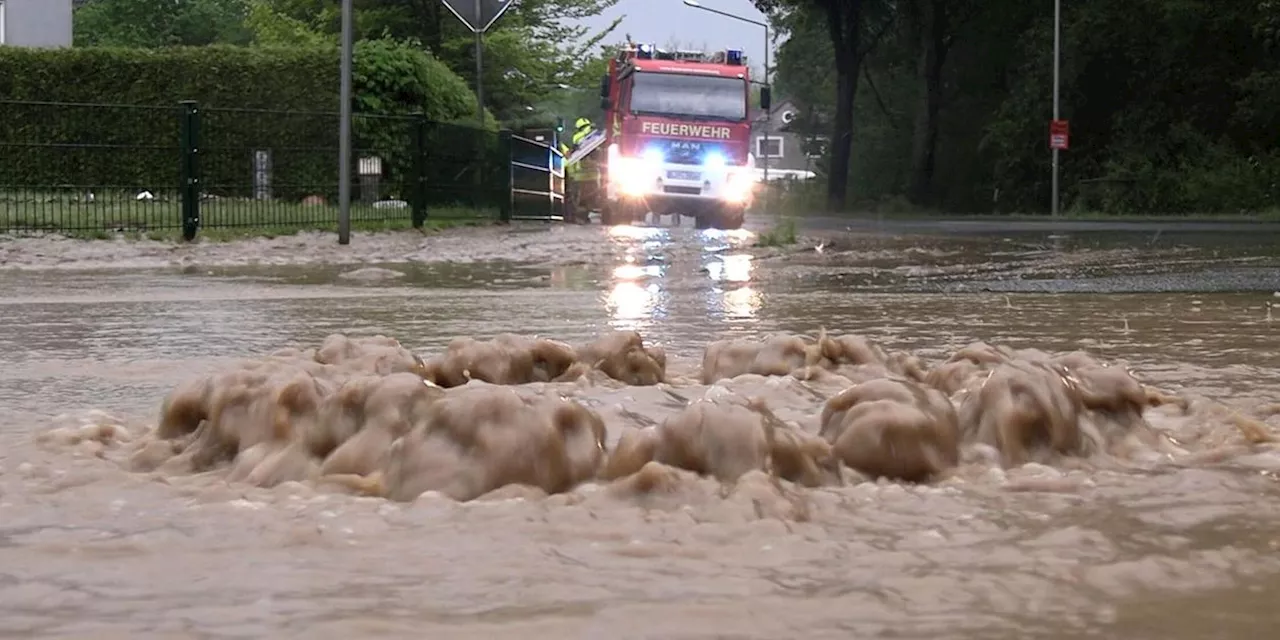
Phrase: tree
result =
(271, 27)
(846, 24)
(156, 23)
(529, 52)
(933, 26)
(1163, 117)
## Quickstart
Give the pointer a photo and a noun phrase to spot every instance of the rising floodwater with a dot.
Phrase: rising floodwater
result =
(88, 549)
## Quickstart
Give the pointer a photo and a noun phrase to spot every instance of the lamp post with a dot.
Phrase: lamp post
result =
(696, 5)
(1057, 55)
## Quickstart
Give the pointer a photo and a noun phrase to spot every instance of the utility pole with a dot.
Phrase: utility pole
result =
(768, 126)
(1057, 71)
(479, 70)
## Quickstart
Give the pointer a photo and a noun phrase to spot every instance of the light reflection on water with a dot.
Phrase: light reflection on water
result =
(635, 296)
(742, 303)
(722, 238)
(640, 290)
(730, 268)
(731, 297)
(632, 304)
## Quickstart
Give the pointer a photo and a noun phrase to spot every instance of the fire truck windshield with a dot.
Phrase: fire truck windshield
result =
(689, 96)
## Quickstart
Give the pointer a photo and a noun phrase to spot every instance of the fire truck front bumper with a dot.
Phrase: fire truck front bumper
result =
(637, 179)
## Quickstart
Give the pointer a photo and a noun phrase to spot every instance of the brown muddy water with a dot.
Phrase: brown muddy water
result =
(89, 549)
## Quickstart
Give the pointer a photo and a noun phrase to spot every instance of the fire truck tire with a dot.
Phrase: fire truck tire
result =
(726, 218)
(613, 214)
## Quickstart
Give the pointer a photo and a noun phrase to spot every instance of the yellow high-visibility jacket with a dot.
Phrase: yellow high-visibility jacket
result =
(582, 129)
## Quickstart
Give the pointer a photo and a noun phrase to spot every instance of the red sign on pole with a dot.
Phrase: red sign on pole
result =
(1059, 134)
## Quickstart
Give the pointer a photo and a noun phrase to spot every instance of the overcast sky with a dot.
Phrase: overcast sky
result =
(660, 21)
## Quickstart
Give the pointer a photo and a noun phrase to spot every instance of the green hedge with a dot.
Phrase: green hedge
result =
(110, 118)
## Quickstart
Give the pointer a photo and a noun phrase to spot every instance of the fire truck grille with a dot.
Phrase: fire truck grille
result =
(684, 156)
(687, 151)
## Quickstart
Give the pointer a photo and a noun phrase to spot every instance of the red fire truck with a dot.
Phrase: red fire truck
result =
(676, 137)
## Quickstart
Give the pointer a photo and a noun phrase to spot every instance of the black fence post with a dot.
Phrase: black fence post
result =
(507, 197)
(419, 180)
(189, 191)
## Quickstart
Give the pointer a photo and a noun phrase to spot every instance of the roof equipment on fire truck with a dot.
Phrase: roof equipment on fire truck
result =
(732, 57)
(689, 55)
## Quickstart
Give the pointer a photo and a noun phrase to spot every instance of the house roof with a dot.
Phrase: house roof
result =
(780, 104)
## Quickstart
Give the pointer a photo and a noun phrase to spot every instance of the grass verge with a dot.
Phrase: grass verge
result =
(1272, 215)
(810, 198)
(781, 235)
(221, 220)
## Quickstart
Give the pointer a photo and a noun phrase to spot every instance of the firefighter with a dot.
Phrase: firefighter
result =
(579, 177)
(581, 129)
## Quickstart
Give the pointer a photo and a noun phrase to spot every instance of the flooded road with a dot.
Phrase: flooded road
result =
(88, 549)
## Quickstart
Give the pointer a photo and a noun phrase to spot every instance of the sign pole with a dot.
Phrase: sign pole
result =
(1057, 54)
(478, 15)
(768, 129)
(344, 131)
(479, 70)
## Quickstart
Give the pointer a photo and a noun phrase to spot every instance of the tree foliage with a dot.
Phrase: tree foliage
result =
(250, 98)
(528, 53)
(937, 103)
(1171, 102)
(156, 23)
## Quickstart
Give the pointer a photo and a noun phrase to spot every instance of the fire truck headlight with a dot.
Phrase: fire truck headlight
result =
(737, 188)
(653, 159)
(714, 161)
(633, 176)
(634, 183)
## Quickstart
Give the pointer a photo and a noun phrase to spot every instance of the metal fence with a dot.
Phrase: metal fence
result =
(99, 169)
(537, 179)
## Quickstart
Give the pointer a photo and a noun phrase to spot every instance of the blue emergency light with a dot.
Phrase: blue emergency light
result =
(645, 51)
(733, 57)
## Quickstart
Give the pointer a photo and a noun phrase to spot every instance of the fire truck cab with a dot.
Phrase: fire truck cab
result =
(677, 136)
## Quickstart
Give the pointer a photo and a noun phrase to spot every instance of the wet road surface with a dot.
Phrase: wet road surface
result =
(1060, 256)
(88, 550)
